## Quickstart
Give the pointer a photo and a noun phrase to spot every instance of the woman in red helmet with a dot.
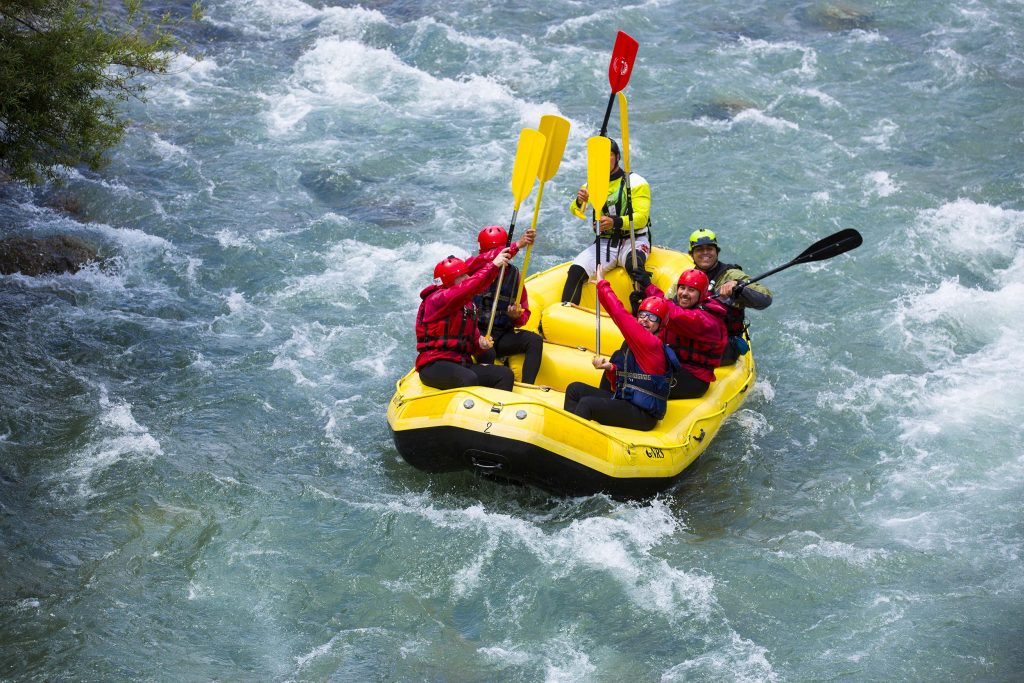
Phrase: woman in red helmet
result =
(639, 374)
(695, 329)
(447, 337)
(507, 338)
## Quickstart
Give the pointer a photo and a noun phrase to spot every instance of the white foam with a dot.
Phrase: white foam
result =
(759, 48)
(340, 640)
(958, 458)
(166, 150)
(619, 546)
(858, 35)
(882, 134)
(759, 117)
(809, 545)
(264, 17)
(231, 239)
(338, 73)
(737, 659)
(954, 66)
(119, 437)
(993, 234)
(304, 345)
(185, 79)
(822, 97)
(880, 184)
(355, 270)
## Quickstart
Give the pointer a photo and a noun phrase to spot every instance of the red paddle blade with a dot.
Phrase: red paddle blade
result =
(623, 56)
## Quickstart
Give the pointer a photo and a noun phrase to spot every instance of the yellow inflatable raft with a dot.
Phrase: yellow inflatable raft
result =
(525, 436)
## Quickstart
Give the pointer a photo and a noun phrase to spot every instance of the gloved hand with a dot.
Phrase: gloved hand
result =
(643, 279)
(635, 299)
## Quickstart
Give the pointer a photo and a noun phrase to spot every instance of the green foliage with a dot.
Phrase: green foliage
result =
(65, 65)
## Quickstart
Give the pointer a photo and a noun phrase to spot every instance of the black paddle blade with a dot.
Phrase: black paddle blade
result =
(833, 245)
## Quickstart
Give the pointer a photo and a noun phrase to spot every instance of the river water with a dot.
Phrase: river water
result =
(197, 481)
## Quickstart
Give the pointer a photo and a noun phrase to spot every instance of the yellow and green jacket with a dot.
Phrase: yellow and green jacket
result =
(615, 205)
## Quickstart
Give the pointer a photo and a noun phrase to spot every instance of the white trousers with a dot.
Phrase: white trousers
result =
(610, 258)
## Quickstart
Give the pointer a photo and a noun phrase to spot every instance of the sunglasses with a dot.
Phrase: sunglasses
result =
(650, 316)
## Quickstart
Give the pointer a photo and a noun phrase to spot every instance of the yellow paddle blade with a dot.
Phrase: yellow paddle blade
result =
(624, 118)
(556, 130)
(599, 151)
(529, 154)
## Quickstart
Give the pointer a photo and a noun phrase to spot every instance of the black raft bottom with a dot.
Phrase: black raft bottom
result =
(451, 449)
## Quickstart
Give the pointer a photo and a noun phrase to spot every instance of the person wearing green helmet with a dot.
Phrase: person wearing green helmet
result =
(613, 228)
(729, 282)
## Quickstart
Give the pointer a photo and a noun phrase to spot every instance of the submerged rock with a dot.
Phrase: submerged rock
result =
(45, 255)
(359, 198)
(722, 108)
(836, 16)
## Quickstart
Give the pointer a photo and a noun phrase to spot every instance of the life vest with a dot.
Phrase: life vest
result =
(485, 302)
(448, 337)
(619, 207)
(735, 320)
(645, 391)
(706, 355)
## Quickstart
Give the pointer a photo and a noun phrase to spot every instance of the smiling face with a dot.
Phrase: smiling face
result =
(705, 256)
(649, 321)
(688, 297)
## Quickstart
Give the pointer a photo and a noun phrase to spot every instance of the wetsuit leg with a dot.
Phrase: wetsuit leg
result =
(497, 376)
(596, 404)
(574, 280)
(731, 353)
(444, 374)
(522, 341)
(687, 386)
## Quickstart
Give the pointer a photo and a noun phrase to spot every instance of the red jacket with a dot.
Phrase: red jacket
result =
(697, 335)
(647, 348)
(446, 326)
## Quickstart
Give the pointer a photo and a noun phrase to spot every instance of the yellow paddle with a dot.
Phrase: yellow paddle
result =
(599, 152)
(624, 118)
(529, 154)
(556, 130)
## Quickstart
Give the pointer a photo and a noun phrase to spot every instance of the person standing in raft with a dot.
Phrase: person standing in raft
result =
(447, 336)
(507, 338)
(613, 226)
(695, 329)
(728, 281)
(639, 373)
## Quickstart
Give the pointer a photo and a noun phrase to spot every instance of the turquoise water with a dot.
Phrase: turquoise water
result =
(196, 477)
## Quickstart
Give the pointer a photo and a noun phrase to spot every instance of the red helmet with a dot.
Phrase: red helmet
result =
(697, 279)
(656, 305)
(492, 236)
(447, 270)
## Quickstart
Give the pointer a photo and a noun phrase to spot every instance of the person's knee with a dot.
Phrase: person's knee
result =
(506, 379)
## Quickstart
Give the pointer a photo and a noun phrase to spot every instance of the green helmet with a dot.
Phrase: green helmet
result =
(703, 236)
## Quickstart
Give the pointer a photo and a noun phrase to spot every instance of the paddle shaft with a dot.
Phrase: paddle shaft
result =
(501, 274)
(825, 248)
(597, 266)
(624, 125)
(833, 245)
(529, 247)
(607, 114)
